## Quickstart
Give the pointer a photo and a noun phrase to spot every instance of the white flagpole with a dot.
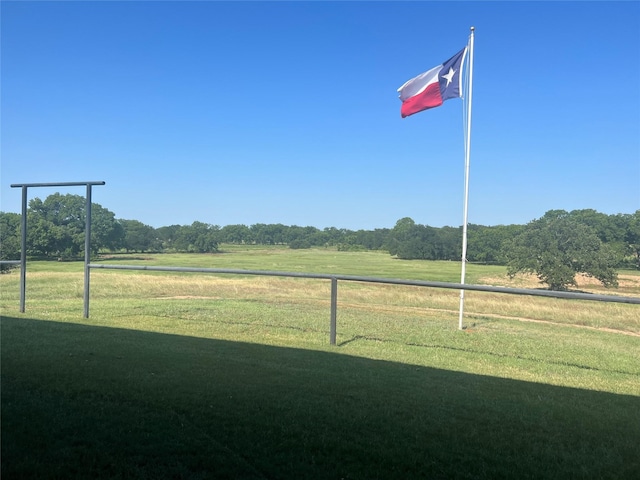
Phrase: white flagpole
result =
(467, 148)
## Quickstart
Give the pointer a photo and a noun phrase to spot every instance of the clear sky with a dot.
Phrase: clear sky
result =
(287, 112)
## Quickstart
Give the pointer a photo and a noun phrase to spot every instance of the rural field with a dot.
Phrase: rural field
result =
(198, 376)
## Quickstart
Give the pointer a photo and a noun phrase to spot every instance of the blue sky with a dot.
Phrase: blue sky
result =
(287, 112)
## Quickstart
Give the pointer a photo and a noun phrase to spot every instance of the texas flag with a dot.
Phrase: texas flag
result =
(430, 89)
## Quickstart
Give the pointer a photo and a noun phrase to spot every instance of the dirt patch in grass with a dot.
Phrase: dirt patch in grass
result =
(186, 297)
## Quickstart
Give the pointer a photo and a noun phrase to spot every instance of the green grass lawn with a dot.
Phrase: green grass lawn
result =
(330, 261)
(205, 376)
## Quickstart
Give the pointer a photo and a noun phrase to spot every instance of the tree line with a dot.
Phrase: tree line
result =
(582, 240)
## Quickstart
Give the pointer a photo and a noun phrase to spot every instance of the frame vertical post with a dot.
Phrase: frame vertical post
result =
(334, 310)
(23, 250)
(87, 251)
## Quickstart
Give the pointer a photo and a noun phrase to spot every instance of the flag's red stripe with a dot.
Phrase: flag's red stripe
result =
(429, 98)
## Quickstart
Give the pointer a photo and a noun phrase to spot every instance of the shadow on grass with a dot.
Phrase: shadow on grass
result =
(91, 402)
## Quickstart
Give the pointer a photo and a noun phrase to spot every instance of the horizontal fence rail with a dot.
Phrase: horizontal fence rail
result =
(393, 281)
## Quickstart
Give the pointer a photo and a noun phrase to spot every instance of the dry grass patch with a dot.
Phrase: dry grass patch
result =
(581, 313)
(123, 291)
(379, 300)
(395, 299)
(629, 284)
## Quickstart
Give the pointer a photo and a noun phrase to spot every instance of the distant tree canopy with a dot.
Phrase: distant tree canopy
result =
(409, 240)
(56, 229)
(139, 237)
(9, 237)
(632, 237)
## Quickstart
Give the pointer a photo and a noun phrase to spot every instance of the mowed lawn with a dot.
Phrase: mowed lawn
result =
(189, 376)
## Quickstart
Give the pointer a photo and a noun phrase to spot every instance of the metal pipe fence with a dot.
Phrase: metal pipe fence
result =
(354, 278)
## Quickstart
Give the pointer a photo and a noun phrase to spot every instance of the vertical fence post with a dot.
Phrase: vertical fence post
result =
(334, 310)
(23, 250)
(87, 251)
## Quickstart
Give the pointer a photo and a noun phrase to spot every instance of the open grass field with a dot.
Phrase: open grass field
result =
(191, 376)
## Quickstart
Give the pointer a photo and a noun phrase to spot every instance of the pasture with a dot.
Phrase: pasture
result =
(194, 376)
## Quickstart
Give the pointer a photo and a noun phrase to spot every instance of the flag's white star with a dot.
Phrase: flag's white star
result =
(449, 75)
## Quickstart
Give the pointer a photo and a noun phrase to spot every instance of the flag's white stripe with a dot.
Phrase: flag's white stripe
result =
(418, 84)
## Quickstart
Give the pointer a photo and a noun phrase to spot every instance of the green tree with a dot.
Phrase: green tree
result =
(371, 239)
(485, 244)
(238, 234)
(138, 237)
(168, 236)
(632, 236)
(55, 226)
(411, 241)
(611, 229)
(402, 237)
(9, 237)
(106, 231)
(269, 234)
(449, 243)
(336, 236)
(556, 247)
(197, 238)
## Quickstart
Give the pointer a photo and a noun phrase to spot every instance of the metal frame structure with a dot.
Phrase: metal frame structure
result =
(87, 237)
